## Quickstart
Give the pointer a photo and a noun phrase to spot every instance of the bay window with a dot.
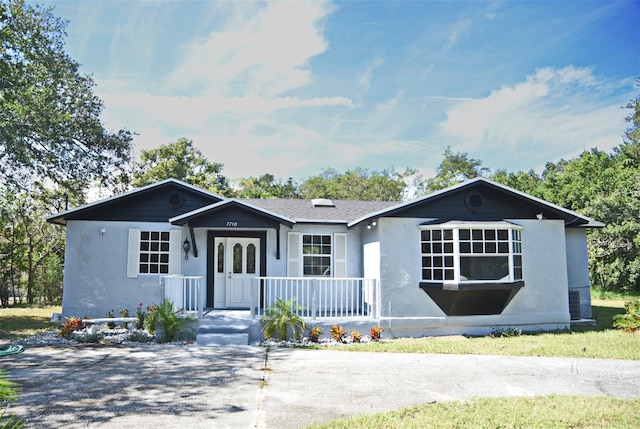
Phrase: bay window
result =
(471, 252)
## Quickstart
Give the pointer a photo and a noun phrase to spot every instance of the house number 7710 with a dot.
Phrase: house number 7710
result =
(232, 223)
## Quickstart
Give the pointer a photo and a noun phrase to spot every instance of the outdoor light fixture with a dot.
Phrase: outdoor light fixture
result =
(186, 246)
(371, 224)
(540, 216)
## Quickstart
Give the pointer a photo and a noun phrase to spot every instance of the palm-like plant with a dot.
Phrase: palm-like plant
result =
(280, 316)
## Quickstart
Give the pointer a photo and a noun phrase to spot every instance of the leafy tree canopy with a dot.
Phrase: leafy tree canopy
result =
(180, 160)
(357, 184)
(455, 168)
(266, 186)
(49, 117)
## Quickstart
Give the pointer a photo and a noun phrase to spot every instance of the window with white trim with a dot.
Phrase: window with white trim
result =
(153, 252)
(471, 252)
(316, 255)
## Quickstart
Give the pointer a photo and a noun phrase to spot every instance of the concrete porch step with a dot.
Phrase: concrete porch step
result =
(223, 328)
(220, 339)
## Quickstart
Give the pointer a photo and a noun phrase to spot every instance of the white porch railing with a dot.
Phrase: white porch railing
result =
(186, 293)
(320, 297)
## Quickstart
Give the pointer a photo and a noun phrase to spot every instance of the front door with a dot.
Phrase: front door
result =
(236, 262)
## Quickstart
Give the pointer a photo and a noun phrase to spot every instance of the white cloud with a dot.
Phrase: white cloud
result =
(459, 28)
(364, 79)
(553, 113)
(265, 51)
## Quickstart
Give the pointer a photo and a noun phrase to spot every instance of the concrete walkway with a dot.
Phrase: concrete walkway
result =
(172, 386)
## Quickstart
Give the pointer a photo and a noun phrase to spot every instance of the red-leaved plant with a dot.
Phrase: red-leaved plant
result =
(375, 333)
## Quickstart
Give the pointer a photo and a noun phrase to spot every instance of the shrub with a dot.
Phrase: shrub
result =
(151, 319)
(140, 337)
(71, 325)
(505, 333)
(338, 333)
(140, 315)
(173, 327)
(111, 325)
(375, 333)
(356, 336)
(314, 333)
(630, 320)
(87, 337)
(280, 316)
(124, 313)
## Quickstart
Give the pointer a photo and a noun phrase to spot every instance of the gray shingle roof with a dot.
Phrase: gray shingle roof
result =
(304, 211)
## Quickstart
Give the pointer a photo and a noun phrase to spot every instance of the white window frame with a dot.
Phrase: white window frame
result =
(134, 252)
(442, 252)
(322, 245)
(296, 256)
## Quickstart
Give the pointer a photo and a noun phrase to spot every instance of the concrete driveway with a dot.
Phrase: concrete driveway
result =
(173, 386)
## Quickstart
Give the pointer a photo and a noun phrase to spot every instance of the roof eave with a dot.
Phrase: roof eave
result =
(60, 218)
(186, 217)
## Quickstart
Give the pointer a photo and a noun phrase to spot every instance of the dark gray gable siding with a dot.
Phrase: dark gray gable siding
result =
(481, 202)
(232, 216)
(152, 205)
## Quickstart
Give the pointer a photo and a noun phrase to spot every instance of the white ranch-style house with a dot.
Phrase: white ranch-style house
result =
(465, 260)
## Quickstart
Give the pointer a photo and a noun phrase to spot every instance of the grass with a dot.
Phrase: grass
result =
(530, 412)
(587, 341)
(20, 321)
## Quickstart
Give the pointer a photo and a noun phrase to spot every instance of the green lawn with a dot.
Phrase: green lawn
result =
(600, 340)
(19, 322)
(488, 413)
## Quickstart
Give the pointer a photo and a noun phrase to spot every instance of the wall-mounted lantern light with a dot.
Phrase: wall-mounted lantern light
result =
(186, 246)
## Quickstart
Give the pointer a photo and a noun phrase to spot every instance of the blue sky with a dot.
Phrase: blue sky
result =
(291, 87)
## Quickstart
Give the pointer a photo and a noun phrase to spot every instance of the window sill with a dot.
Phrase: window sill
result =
(471, 298)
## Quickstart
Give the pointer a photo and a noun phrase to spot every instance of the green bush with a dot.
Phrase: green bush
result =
(151, 319)
(630, 320)
(280, 316)
(173, 326)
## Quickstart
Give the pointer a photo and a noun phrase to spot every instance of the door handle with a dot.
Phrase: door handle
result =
(229, 274)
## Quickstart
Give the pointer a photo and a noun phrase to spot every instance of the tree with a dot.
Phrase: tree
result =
(615, 250)
(180, 160)
(50, 124)
(266, 186)
(357, 184)
(31, 249)
(455, 168)
(529, 182)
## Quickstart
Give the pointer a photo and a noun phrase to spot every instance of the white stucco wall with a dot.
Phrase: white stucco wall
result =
(95, 271)
(408, 311)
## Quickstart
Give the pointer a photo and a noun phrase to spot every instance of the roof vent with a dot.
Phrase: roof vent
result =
(322, 202)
